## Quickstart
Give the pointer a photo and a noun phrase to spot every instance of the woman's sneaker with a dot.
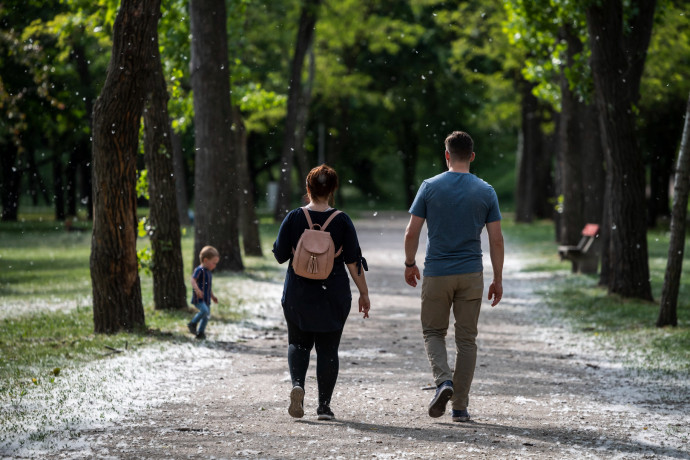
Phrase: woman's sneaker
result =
(192, 328)
(460, 415)
(296, 408)
(437, 406)
(325, 413)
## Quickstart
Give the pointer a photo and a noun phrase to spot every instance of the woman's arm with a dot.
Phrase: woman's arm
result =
(361, 283)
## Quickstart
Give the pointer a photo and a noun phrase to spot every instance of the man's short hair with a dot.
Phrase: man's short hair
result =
(460, 145)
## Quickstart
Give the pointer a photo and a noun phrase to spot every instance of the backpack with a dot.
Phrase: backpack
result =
(313, 257)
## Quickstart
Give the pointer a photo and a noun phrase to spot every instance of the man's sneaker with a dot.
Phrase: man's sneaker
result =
(437, 406)
(460, 415)
(325, 413)
(192, 328)
(201, 336)
(296, 408)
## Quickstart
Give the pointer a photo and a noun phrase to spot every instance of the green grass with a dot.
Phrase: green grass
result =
(627, 324)
(42, 263)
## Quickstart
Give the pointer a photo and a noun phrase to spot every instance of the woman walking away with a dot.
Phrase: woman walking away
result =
(316, 309)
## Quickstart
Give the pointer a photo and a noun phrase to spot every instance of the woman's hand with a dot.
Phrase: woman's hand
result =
(214, 298)
(364, 304)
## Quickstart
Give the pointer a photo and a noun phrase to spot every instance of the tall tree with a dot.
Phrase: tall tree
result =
(668, 315)
(619, 44)
(295, 103)
(169, 291)
(116, 121)
(217, 184)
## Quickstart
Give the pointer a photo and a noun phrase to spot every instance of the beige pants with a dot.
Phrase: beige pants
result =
(462, 293)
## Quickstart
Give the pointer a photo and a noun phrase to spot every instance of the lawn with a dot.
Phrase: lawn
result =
(628, 324)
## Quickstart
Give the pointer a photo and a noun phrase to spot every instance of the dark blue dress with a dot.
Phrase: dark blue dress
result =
(317, 305)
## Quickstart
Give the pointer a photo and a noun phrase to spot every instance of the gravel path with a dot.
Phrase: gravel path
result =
(539, 391)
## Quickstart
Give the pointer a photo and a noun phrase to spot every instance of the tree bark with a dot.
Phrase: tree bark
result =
(617, 62)
(533, 184)
(169, 291)
(116, 120)
(11, 180)
(571, 150)
(180, 179)
(249, 222)
(668, 315)
(305, 36)
(216, 220)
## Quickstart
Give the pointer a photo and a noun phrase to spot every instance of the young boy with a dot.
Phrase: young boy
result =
(203, 294)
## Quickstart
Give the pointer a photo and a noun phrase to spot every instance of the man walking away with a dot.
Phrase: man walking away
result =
(456, 205)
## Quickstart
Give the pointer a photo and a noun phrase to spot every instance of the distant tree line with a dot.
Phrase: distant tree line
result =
(576, 108)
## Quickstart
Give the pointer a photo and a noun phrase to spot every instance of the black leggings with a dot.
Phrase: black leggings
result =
(327, 365)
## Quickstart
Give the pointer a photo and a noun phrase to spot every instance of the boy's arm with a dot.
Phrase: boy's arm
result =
(196, 289)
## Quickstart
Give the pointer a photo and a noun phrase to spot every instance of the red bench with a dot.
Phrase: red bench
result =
(584, 256)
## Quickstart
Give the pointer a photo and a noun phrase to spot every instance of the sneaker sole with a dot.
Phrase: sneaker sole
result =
(296, 408)
(461, 419)
(325, 417)
(437, 406)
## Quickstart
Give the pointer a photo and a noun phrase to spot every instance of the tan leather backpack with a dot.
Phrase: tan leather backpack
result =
(313, 257)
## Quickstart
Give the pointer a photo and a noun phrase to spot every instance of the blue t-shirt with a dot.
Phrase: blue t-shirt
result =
(204, 279)
(456, 207)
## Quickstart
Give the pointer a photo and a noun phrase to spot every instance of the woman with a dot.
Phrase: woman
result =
(316, 310)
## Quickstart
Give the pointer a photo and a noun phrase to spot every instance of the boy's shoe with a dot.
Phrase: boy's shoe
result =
(192, 328)
(296, 408)
(201, 336)
(324, 413)
(437, 406)
(460, 415)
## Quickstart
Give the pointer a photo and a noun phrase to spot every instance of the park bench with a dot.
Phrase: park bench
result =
(584, 256)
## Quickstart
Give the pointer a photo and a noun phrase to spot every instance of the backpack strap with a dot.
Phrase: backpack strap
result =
(328, 221)
(306, 214)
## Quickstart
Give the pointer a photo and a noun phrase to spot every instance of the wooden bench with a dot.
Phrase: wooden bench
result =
(584, 256)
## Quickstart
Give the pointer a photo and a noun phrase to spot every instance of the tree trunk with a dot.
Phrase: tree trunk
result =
(305, 35)
(408, 144)
(249, 222)
(169, 291)
(116, 120)
(216, 178)
(571, 151)
(533, 183)
(11, 180)
(669, 295)
(58, 186)
(180, 179)
(593, 166)
(617, 53)
(303, 167)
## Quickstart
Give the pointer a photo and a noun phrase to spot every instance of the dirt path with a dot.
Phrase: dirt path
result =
(539, 392)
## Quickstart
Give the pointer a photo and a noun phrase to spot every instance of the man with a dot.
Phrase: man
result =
(456, 206)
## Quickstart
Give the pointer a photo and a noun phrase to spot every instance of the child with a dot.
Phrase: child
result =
(203, 294)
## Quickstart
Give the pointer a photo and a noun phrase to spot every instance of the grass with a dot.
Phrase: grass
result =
(41, 263)
(627, 324)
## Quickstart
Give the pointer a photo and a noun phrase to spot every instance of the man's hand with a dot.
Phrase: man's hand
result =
(214, 298)
(412, 275)
(495, 292)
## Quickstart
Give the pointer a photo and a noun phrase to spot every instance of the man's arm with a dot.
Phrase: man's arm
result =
(496, 251)
(412, 232)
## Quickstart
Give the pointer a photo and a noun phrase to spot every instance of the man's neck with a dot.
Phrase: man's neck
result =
(459, 167)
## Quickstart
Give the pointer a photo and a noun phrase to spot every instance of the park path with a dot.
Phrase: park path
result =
(539, 391)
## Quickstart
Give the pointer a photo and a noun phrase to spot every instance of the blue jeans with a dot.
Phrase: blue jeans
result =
(201, 317)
